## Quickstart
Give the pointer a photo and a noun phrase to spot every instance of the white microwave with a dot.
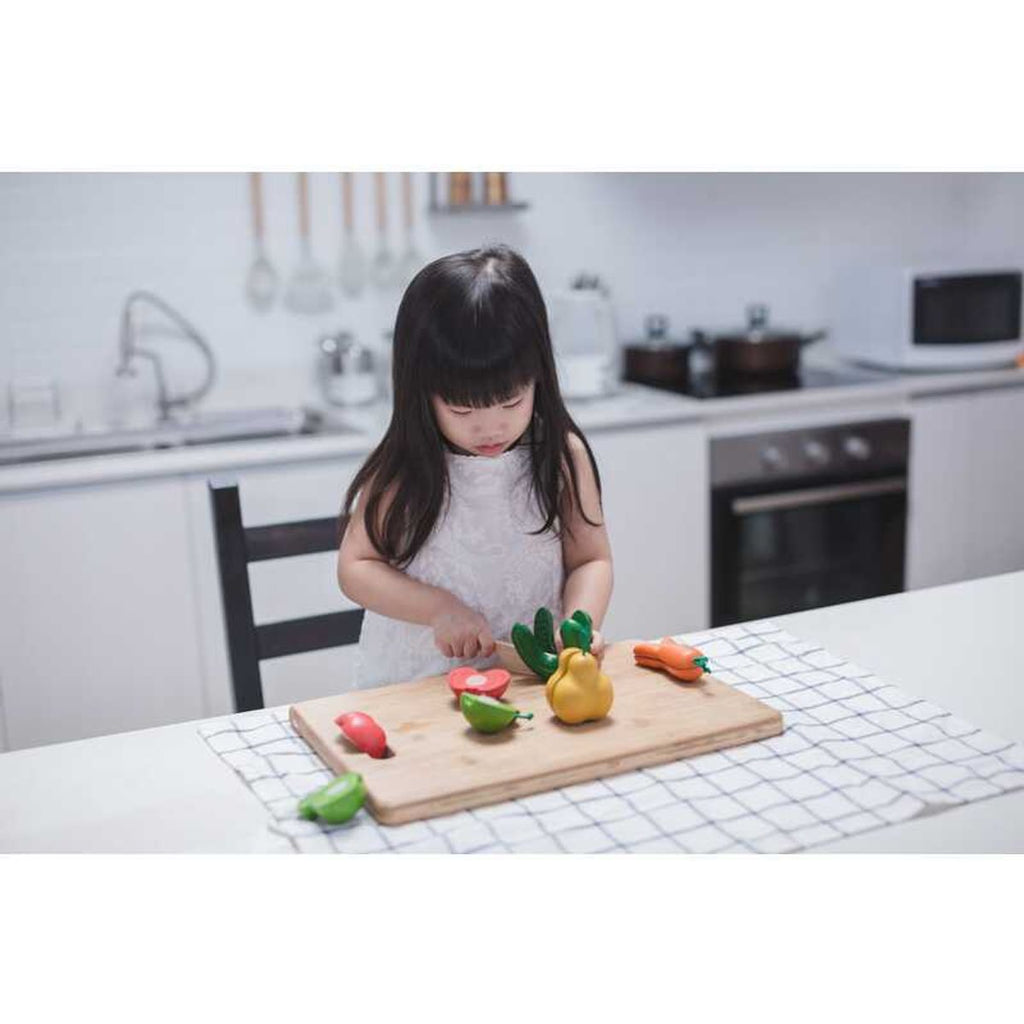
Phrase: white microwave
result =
(934, 319)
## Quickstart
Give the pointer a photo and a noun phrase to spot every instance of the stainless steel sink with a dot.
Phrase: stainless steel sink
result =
(203, 428)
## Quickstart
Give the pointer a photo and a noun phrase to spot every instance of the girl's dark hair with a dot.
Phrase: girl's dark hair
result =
(471, 328)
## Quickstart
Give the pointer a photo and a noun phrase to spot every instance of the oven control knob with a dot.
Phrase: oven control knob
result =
(857, 448)
(817, 453)
(772, 458)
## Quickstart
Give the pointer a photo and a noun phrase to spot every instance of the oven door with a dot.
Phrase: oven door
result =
(817, 543)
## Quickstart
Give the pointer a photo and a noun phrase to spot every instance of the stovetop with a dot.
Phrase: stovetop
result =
(709, 385)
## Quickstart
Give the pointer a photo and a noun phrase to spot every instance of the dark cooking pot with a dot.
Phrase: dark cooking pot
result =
(656, 359)
(759, 350)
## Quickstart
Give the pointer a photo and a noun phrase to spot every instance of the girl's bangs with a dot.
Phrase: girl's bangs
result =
(481, 366)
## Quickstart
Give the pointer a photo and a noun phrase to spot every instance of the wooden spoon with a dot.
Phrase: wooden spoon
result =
(383, 269)
(411, 262)
(352, 265)
(261, 283)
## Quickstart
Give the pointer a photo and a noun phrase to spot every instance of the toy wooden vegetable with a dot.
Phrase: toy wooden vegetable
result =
(486, 714)
(364, 732)
(537, 649)
(579, 691)
(492, 683)
(578, 631)
(336, 802)
(544, 629)
(678, 660)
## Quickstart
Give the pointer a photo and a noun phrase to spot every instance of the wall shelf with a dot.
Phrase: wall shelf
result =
(439, 207)
(478, 207)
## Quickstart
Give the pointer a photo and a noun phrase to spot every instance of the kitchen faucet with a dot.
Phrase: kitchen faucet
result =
(130, 351)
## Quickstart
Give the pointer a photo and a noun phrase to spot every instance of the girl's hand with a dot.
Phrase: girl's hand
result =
(460, 632)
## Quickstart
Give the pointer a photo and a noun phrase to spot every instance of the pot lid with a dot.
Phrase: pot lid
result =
(656, 335)
(757, 329)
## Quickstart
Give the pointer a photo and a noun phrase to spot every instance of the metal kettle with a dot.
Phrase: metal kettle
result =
(582, 326)
(347, 370)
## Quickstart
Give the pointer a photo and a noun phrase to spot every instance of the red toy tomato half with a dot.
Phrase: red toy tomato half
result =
(364, 732)
(492, 683)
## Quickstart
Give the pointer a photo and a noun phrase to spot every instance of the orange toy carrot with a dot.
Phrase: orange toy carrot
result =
(686, 675)
(679, 660)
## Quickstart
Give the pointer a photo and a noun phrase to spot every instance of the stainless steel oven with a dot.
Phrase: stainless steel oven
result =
(806, 518)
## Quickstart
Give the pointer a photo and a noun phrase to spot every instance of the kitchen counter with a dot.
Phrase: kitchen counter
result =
(163, 790)
(633, 406)
(881, 386)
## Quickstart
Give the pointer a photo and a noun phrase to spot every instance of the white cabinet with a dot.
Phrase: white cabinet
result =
(655, 494)
(938, 505)
(995, 482)
(97, 617)
(4, 745)
(966, 486)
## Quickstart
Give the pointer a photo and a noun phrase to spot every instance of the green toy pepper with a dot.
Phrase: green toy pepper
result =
(486, 714)
(336, 802)
(578, 631)
(544, 630)
(538, 650)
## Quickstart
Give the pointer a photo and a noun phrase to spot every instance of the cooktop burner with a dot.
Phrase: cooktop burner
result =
(710, 385)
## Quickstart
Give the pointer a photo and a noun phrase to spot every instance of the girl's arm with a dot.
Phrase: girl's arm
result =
(586, 552)
(367, 579)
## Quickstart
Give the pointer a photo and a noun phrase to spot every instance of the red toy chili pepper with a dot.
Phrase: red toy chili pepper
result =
(364, 732)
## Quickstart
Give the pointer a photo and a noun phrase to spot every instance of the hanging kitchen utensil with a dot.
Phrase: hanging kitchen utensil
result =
(308, 290)
(261, 283)
(760, 350)
(411, 261)
(382, 270)
(352, 265)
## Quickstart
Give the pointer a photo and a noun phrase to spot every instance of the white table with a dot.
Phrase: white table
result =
(163, 790)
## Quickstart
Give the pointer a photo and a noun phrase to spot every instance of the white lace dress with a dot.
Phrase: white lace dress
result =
(481, 551)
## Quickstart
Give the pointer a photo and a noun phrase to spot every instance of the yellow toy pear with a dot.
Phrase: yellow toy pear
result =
(578, 691)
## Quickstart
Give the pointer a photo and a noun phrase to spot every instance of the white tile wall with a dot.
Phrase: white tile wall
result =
(695, 246)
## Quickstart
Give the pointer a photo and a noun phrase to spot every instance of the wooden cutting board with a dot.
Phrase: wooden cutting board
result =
(440, 765)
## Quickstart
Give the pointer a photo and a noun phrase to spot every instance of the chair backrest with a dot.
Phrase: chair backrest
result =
(237, 546)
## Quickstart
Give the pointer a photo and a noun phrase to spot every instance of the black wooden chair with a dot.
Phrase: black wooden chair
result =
(237, 546)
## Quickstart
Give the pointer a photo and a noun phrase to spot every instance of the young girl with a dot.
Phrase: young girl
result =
(482, 502)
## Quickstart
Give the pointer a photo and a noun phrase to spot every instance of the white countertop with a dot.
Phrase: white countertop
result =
(633, 406)
(164, 790)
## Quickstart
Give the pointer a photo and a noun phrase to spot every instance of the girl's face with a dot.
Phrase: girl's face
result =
(487, 432)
